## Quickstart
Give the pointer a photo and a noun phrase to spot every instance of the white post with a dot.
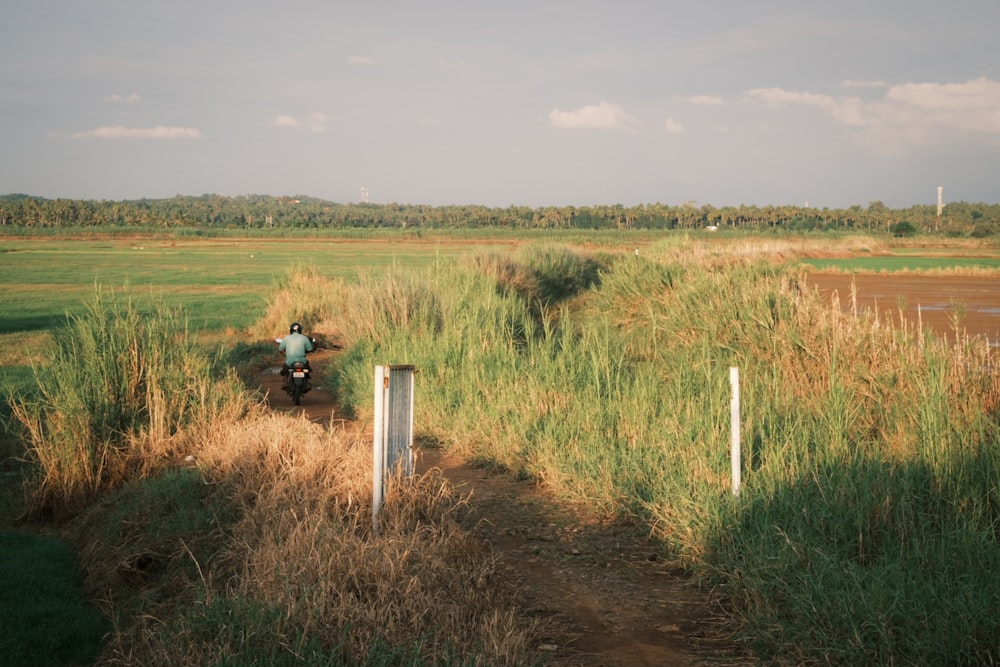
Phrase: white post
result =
(734, 416)
(378, 447)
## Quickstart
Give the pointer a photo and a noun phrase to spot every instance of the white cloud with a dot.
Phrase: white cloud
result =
(845, 110)
(121, 132)
(932, 109)
(776, 97)
(855, 83)
(673, 127)
(706, 100)
(117, 98)
(907, 113)
(317, 122)
(604, 116)
(284, 120)
(978, 101)
(362, 60)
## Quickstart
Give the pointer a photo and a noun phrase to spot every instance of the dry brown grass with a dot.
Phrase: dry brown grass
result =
(303, 555)
(508, 274)
(14, 353)
(307, 297)
(729, 251)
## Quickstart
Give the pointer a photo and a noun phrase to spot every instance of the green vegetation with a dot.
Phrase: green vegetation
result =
(903, 228)
(219, 533)
(219, 284)
(210, 215)
(867, 529)
(45, 619)
(904, 263)
(222, 286)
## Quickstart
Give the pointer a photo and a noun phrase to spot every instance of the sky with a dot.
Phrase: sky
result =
(504, 103)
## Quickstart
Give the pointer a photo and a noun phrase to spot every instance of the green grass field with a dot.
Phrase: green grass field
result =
(865, 533)
(904, 262)
(221, 284)
(225, 283)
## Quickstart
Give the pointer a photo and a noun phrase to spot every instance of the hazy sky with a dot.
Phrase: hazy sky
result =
(512, 102)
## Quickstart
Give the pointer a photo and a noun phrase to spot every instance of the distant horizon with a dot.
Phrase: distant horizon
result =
(806, 205)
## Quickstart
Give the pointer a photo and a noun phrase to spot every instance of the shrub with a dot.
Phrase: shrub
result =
(903, 228)
(982, 230)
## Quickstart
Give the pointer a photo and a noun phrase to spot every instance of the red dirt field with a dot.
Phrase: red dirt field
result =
(931, 298)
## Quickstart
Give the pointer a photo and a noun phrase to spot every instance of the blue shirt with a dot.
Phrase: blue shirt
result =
(295, 346)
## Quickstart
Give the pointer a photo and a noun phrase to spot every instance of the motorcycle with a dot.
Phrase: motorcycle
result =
(298, 381)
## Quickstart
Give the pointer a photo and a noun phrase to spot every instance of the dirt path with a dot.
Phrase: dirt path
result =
(600, 591)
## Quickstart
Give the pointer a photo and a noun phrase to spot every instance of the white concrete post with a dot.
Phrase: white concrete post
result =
(392, 449)
(378, 446)
(734, 416)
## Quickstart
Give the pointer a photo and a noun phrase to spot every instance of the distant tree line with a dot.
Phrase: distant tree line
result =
(212, 211)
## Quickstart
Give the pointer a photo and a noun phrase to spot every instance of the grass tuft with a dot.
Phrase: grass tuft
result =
(119, 381)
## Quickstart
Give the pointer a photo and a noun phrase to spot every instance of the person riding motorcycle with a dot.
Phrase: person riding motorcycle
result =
(295, 346)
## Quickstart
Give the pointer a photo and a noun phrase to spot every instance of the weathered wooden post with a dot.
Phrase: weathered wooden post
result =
(392, 449)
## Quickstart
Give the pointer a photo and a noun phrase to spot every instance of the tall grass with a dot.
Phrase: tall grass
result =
(872, 451)
(118, 382)
(306, 296)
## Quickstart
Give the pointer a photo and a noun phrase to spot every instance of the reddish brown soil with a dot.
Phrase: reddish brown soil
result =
(601, 592)
(932, 298)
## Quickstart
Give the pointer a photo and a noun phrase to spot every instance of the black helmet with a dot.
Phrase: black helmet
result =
(295, 328)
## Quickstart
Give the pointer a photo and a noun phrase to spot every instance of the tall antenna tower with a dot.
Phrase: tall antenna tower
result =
(940, 200)
(364, 195)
